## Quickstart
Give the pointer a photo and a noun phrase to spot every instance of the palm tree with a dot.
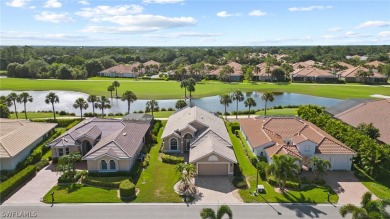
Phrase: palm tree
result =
(208, 213)
(187, 172)
(116, 84)
(184, 84)
(191, 86)
(130, 97)
(249, 103)
(14, 98)
(111, 88)
(24, 98)
(52, 98)
(92, 99)
(81, 104)
(180, 104)
(103, 103)
(238, 96)
(320, 166)
(369, 208)
(151, 105)
(225, 100)
(283, 167)
(267, 96)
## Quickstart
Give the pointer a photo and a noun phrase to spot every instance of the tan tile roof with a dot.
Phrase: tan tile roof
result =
(351, 72)
(305, 64)
(345, 64)
(283, 150)
(16, 135)
(236, 67)
(262, 70)
(375, 63)
(376, 112)
(312, 72)
(151, 62)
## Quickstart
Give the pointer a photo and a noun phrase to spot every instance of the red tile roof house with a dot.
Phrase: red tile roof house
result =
(108, 145)
(313, 74)
(305, 64)
(260, 74)
(349, 75)
(236, 76)
(122, 71)
(151, 66)
(292, 136)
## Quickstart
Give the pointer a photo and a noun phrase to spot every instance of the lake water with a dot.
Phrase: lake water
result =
(211, 103)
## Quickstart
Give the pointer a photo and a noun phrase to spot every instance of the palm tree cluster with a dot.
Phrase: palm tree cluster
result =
(284, 167)
(187, 172)
(14, 98)
(369, 209)
(188, 85)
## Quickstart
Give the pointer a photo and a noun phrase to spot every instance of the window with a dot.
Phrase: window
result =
(66, 150)
(103, 165)
(112, 165)
(60, 152)
(173, 144)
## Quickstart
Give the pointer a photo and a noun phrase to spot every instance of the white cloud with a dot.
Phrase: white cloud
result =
(184, 34)
(335, 29)
(52, 17)
(329, 36)
(384, 34)
(83, 2)
(310, 8)
(32, 7)
(162, 1)
(52, 4)
(106, 11)
(226, 14)
(17, 3)
(351, 34)
(257, 13)
(373, 24)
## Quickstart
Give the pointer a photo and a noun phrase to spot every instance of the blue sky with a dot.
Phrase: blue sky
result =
(194, 23)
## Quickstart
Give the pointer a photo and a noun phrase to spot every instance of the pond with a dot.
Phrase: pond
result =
(211, 103)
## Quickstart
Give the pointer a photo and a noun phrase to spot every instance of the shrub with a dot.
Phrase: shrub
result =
(262, 166)
(62, 123)
(140, 111)
(126, 189)
(41, 164)
(145, 163)
(163, 109)
(239, 182)
(9, 186)
(118, 114)
(109, 174)
(108, 182)
(72, 114)
(111, 114)
(69, 177)
(170, 109)
(62, 113)
(289, 184)
(55, 160)
(156, 127)
(234, 126)
(166, 158)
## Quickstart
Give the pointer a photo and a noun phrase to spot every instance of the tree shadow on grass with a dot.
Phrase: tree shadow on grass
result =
(304, 210)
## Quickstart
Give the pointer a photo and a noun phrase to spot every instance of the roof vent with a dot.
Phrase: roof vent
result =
(124, 134)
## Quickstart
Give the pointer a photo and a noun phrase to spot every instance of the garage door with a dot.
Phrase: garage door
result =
(213, 169)
(340, 163)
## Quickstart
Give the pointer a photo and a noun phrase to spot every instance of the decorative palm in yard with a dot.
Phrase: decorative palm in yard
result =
(92, 99)
(103, 103)
(116, 84)
(81, 104)
(152, 105)
(208, 213)
(14, 98)
(24, 98)
(52, 98)
(249, 103)
(237, 96)
(130, 97)
(370, 209)
(267, 96)
(320, 166)
(225, 100)
(187, 172)
(284, 167)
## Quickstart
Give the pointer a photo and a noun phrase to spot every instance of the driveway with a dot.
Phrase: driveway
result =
(35, 189)
(216, 190)
(347, 186)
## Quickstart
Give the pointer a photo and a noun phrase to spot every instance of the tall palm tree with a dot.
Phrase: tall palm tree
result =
(370, 209)
(225, 100)
(237, 96)
(187, 172)
(152, 105)
(103, 103)
(52, 98)
(116, 84)
(320, 166)
(14, 98)
(283, 167)
(191, 86)
(184, 84)
(24, 98)
(249, 103)
(81, 104)
(92, 99)
(267, 96)
(111, 88)
(208, 213)
(130, 97)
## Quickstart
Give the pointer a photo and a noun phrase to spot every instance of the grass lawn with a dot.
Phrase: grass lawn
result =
(380, 187)
(162, 114)
(280, 112)
(82, 194)
(312, 194)
(171, 89)
(34, 115)
(157, 181)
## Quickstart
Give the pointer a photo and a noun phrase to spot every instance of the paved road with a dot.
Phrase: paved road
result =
(170, 211)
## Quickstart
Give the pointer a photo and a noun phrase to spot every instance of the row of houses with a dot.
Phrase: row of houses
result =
(130, 71)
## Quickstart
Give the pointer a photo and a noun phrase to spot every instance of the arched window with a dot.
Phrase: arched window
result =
(112, 165)
(103, 165)
(173, 144)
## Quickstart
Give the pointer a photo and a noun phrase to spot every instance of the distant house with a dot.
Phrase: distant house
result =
(313, 74)
(236, 76)
(374, 64)
(204, 136)
(151, 66)
(108, 145)
(375, 112)
(351, 75)
(122, 71)
(18, 138)
(292, 136)
(261, 74)
(305, 64)
(344, 64)
(345, 105)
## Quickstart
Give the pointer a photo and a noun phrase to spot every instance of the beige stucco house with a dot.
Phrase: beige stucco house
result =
(203, 135)
(108, 145)
(18, 138)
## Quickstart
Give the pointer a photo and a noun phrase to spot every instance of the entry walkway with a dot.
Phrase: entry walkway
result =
(35, 189)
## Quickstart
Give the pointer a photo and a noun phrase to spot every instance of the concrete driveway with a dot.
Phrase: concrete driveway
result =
(347, 186)
(216, 190)
(35, 189)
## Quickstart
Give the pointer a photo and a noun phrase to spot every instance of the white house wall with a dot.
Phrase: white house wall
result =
(307, 148)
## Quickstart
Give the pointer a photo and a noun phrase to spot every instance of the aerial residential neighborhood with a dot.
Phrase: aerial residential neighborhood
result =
(194, 109)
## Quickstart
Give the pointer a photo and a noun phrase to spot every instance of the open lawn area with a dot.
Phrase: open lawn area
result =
(34, 115)
(279, 112)
(171, 89)
(310, 194)
(380, 187)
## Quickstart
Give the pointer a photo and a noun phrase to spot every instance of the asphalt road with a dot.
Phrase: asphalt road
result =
(167, 211)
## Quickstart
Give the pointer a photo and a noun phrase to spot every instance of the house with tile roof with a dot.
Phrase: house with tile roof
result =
(292, 136)
(261, 74)
(106, 144)
(351, 75)
(122, 71)
(237, 74)
(18, 138)
(313, 74)
(305, 64)
(204, 136)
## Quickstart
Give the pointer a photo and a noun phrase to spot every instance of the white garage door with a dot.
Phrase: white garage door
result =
(213, 169)
(340, 163)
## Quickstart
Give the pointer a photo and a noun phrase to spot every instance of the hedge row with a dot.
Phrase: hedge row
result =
(41, 164)
(166, 158)
(289, 184)
(109, 174)
(62, 123)
(126, 189)
(69, 177)
(108, 182)
(9, 186)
